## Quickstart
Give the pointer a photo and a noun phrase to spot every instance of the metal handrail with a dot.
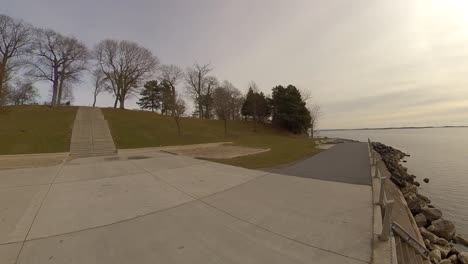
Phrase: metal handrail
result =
(389, 226)
(401, 232)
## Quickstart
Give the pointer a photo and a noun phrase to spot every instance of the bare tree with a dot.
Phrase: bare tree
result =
(15, 39)
(171, 75)
(315, 114)
(207, 101)
(179, 110)
(100, 84)
(126, 65)
(58, 59)
(197, 84)
(23, 92)
(227, 101)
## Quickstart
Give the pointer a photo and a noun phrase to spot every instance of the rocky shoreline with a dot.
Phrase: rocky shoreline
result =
(438, 233)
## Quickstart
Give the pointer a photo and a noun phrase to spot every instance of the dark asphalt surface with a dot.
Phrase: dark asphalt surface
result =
(347, 162)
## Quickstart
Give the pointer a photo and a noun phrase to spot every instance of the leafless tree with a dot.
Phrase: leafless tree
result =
(171, 75)
(58, 59)
(306, 95)
(197, 84)
(207, 102)
(126, 65)
(23, 92)
(179, 111)
(15, 40)
(315, 114)
(227, 101)
(100, 84)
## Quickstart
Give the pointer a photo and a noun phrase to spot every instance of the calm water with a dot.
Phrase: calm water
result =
(440, 154)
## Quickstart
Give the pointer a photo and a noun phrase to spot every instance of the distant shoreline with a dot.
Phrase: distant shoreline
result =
(389, 128)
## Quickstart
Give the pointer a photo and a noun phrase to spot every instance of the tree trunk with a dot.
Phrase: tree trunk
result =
(60, 93)
(225, 126)
(178, 124)
(2, 74)
(116, 101)
(94, 102)
(200, 110)
(122, 102)
(55, 88)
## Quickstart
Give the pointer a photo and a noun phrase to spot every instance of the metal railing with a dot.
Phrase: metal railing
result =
(389, 227)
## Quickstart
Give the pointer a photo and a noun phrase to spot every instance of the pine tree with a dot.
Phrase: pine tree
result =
(256, 106)
(150, 96)
(289, 109)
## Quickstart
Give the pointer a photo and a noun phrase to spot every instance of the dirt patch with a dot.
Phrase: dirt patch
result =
(217, 152)
(31, 160)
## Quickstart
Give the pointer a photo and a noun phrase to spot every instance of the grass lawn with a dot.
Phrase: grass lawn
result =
(35, 129)
(138, 129)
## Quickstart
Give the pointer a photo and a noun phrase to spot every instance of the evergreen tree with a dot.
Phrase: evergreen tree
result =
(151, 96)
(289, 109)
(256, 106)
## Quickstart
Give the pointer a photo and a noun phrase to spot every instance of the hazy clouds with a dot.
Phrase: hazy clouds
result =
(368, 63)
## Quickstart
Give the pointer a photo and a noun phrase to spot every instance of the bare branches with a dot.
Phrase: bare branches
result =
(15, 38)
(100, 84)
(23, 92)
(315, 114)
(126, 65)
(198, 82)
(58, 59)
(171, 74)
(227, 101)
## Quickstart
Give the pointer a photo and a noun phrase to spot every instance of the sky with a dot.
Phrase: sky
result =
(372, 63)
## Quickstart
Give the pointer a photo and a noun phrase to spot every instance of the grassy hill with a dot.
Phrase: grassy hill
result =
(35, 129)
(41, 129)
(135, 129)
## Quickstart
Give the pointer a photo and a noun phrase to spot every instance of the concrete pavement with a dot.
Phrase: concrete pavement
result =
(162, 208)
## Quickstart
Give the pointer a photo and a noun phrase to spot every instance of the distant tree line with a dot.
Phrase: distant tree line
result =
(124, 69)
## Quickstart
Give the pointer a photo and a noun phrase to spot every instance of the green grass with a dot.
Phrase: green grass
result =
(137, 129)
(35, 129)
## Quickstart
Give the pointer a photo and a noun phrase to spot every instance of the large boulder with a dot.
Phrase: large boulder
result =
(410, 189)
(435, 256)
(442, 228)
(414, 203)
(424, 198)
(460, 240)
(444, 250)
(463, 257)
(428, 235)
(453, 259)
(442, 242)
(421, 220)
(432, 213)
(445, 261)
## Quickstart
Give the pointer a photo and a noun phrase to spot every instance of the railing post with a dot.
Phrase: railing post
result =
(382, 192)
(376, 169)
(387, 222)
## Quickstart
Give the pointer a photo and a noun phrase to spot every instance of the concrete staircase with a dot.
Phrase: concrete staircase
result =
(91, 135)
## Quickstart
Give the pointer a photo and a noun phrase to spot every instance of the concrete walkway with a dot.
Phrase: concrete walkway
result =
(91, 135)
(346, 162)
(163, 208)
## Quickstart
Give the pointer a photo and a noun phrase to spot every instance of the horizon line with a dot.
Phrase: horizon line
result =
(388, 128)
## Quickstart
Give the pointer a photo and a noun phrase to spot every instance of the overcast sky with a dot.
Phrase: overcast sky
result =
(373, 63)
